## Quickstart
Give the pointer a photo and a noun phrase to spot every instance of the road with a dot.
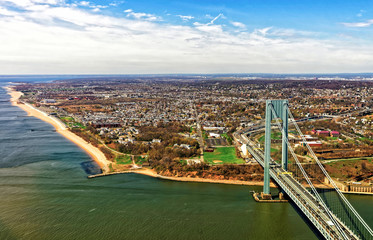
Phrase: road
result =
(306, 202)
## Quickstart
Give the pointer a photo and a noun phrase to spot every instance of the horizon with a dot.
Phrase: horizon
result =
(189, 74)
(54, 37)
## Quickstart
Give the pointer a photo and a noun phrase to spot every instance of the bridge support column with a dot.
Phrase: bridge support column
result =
(280, 110)
(267, 146)
(285, 108)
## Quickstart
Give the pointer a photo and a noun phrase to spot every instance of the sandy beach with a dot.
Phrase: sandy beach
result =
(152, 173)
(60, 127)
(98, 156)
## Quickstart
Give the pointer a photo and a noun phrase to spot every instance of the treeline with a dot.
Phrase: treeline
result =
(86, 136)
(93, 140)
(167, 167)
(160, 152)
(163, 131)
(136, 148)
(169, 147)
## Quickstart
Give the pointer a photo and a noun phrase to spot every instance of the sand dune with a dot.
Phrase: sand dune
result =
(60, 127)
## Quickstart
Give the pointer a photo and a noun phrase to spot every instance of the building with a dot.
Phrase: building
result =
(311, 144)
(334, 133)
(244, 151)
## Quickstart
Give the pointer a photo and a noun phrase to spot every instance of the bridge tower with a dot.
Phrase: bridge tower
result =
(280, 108)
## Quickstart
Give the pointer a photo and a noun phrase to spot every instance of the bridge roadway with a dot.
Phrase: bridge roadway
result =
(305, 201)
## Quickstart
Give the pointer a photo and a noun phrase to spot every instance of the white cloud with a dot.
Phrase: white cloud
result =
(185, 18)
(63, 39)
(84, 3)
(142, 16)
(367, 23)
(239, 25)
(116, 3)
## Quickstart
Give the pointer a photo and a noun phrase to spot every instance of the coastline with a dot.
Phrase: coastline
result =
(91, 150)
(98, 156)
(152, 173)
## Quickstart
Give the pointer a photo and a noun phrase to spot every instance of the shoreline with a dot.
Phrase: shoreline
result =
(60, 127)
(152, 173)
(101, 159)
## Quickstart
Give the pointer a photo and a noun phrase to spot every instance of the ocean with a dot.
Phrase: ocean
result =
(45, 194)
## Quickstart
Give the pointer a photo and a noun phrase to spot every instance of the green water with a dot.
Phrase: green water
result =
(38, 203)
(44, 194)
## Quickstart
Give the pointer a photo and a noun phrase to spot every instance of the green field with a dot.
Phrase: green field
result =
(229, 139)
(70, 122)
(123, 159)
(274, 135)
(273, 150)
(332, 138)
(223, 155)
(139, 160)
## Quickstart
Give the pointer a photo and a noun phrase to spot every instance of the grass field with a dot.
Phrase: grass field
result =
(222, 155)
(139, 160)
(69, 121)
(123, 159)
(274, 135)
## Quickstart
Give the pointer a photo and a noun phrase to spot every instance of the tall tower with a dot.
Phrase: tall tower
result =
(275, 109)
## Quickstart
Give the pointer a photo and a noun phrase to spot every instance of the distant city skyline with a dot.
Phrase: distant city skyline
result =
(165, 37)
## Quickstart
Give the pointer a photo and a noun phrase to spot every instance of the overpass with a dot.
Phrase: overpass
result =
(332, 221)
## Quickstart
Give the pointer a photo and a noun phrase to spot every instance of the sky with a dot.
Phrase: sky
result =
(185, 36)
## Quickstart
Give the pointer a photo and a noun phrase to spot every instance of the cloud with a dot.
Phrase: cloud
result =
(239, 25)
(116, 3)
(50, 39)
(262, 31)
(142, 16)
(84, 3)
(185, 18)
(26, 3)
(367, 23)
(95, 8)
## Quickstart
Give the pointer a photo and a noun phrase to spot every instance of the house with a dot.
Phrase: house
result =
(323, 133)
(48, 101)
(334, 133)
(311, 144)
(214, 135)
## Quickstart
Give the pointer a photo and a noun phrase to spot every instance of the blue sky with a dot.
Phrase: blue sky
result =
(159, 36)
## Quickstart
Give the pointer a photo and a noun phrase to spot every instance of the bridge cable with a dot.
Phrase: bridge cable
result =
(328, 211)
(329, 178)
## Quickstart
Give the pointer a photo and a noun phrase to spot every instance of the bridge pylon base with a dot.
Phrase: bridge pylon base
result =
(267, 198)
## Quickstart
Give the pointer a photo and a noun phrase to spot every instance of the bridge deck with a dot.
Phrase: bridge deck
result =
(305, 201)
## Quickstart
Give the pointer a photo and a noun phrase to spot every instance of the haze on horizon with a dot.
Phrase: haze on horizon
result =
(159, 36)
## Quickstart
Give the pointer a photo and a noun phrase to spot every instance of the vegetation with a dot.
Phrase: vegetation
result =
(222, 155)
(203, 170)
(71, 123)
(228, 137)
(274, 135)
(139, 160)
(123, 159)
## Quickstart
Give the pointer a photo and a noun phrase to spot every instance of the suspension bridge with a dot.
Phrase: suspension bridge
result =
(328, 210)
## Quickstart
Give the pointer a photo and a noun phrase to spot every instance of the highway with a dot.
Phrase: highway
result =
(314, 210)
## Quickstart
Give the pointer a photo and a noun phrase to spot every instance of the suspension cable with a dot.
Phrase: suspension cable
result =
(328, 177)
(318, 197)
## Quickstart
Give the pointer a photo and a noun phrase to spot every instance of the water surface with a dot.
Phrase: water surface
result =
(44, 194)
